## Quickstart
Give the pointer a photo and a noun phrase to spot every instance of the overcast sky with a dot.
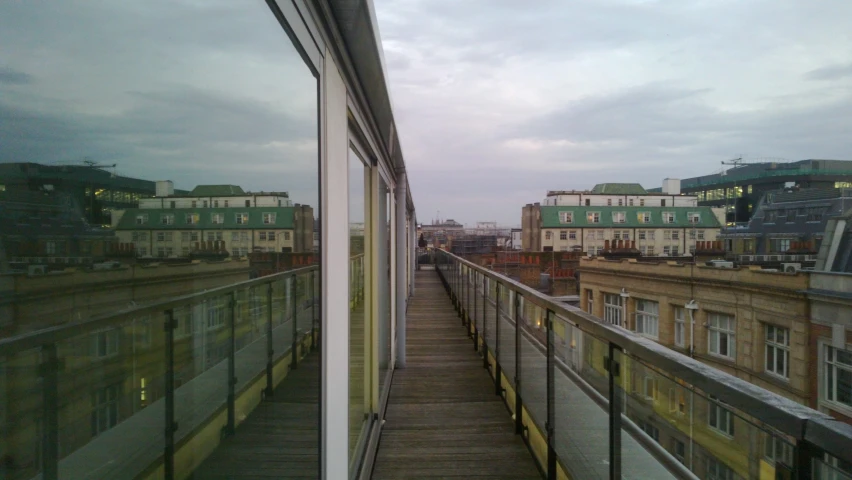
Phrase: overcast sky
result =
(498, 101)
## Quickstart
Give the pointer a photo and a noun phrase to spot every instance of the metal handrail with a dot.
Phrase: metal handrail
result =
(26, 341)
(791, 418)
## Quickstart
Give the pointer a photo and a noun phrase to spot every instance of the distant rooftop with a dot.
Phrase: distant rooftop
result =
(216, 190)
(619, 189)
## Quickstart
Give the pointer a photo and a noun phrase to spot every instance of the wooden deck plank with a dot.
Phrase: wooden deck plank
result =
(443, 419)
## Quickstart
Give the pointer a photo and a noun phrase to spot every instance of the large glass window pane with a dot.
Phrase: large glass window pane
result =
(384, 281)
(359, 326)
(155, 151)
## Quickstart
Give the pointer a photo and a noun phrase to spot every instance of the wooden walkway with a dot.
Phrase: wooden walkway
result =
(280, 439)
(443, 418)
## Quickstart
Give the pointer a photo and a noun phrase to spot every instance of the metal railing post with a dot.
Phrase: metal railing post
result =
(314, 310)
(294, 359)
(519, 424)
(498, 373)
(270, 351)
(170, 425)
(475, 334)
(485, 363)
(551, 399)
(49, 370)
(232, 367)
(613, 368)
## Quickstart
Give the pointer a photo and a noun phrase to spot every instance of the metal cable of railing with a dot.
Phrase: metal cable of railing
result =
(573, 375)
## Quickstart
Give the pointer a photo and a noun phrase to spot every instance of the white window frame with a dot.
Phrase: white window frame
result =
(593, 217)
(644, 217)
(548, 235)
(694, 218)
(719, 418)
(563, 235)
(669, 217)
(268, 218)
(619, 217)
(648, 318)
(192, 218)
(613, 311)
(217, 218)
(572, 235)
(675, 235)
(722, 335)
(286, 236)
(261, 236)
(680, 326)
(777, 350)
(270, 236)
(642, 235)
(106, 343)
(566, 217)
(831, 365)
(241, 218)
(142, 219)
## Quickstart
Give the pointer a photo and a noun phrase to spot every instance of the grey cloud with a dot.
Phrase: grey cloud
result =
(13, 77)
(830, 72)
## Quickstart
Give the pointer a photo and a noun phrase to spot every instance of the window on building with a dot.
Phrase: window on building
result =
(248, 203)
(675, 235)
(620, 202)
(680, 326)
(235, 236)
(286, 235)
(613, 308)
(667, 250)
(719, 417)
(167, 219)
(700, 234)
(609, 202)
(667, 234)
(215, 203)
(651, 234)
(193, 236)
(161, 236)
(776, 450)
(216, 311)
(593, 217)
(184, 236)
(644, 217)
(838, 376)
(194, 203)
(590, 234)
(619, 217)
(572, 235)
(590, 301)
(566, 217)
(663, 202)
(814, 214)
(650, 430)
(241, 218)
(631, 202)
(717, 470)
(204, 203)
(269, 219)
(600, 234)
(771, 216)
(244, 236)
(616, 234)
(172, 204)
(192, 218)
(675, 250)
(105, 408)
(105, 343)
(649, 388)
(642, 235)
(679, 450)
(548, 235)
(647, 318)
(668, 217)
(625, 234)
(721, 335)
(693, 218)
(588, 202)
(777, 351)
(142, 219)
(261, 236)
(641, 202)
(270, 236)
(142, 251)
(779, 245)
(217, 218)
(563, 235)
(677, 401)
(226, 204)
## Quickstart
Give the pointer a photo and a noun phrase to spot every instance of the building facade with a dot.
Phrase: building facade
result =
(788, 222)
(740, 189)
(656, 225)
(216, 219)
(746, 322)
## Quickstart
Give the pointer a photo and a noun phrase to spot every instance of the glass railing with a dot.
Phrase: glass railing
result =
(169, 371)
(593, 400)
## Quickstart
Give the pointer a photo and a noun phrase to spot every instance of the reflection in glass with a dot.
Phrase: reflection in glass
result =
(384, 282)
(358, 324)
(151, 151)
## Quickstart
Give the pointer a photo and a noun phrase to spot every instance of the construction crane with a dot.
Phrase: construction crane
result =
(736, 162)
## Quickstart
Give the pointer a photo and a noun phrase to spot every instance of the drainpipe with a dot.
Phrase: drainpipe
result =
(401, 208)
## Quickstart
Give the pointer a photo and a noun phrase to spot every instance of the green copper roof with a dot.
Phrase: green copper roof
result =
(550, 217)
(619, 189)
(153, 221)
(216, 190)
